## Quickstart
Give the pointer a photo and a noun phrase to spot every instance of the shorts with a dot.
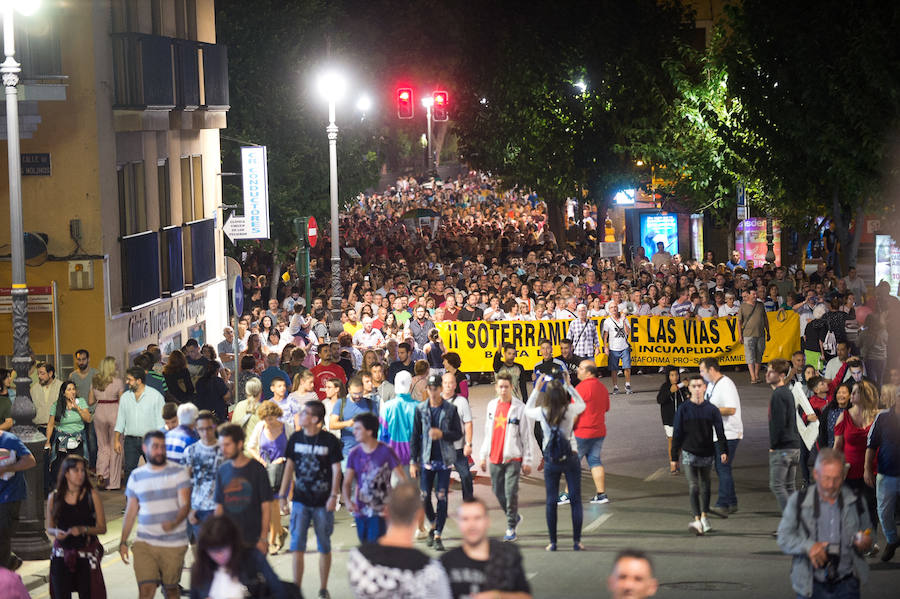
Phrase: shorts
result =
(623, 355)
(590, 448)
(670, 430)
(753, 349)
(370, 528)
(157, 564)
(322, 521)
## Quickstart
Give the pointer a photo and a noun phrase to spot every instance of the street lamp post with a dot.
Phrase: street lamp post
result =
(30, 541)
(332, 86)
(428, 102)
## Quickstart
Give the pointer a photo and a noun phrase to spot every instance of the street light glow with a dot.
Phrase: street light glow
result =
(364, 103)
(24, 7)
(581, 85)
(427, 101)
(332, 85)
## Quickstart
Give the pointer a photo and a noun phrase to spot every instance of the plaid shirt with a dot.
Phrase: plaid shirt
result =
(584, 337)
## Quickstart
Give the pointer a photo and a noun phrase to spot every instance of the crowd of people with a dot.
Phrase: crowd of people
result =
(373, 413)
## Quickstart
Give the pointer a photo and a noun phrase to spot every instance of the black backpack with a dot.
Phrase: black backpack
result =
(558, 449)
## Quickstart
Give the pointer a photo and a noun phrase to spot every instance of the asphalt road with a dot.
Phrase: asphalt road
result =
(648, 510)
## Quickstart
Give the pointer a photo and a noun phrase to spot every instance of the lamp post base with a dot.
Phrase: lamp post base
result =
(30, 541)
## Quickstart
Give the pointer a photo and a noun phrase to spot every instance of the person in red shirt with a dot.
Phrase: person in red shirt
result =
(590, 430)
(326, 370)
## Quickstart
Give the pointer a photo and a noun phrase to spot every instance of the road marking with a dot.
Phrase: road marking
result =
(597, 523)
(531, 576)
(656, 475)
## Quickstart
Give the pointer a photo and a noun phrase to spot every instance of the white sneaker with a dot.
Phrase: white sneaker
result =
(705, 524)
(615, 390)
(627, 389)
(695, 527)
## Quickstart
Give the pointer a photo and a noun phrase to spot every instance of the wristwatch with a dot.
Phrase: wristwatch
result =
(468, 445)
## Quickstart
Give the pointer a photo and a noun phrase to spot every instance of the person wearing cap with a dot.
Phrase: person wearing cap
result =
(368, 337)
(435, 428)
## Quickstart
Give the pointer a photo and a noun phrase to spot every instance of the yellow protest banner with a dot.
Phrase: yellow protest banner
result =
(654, 340)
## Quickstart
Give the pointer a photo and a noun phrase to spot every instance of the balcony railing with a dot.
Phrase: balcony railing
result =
(140, 269)
(161, 73)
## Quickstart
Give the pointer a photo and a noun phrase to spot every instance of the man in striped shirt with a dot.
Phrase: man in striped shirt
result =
(159, 497)
(179, 438)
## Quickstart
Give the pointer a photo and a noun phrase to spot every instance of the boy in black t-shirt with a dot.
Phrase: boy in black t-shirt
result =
(314, 457)
(481, 565)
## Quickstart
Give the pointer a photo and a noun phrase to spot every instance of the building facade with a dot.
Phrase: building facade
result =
(121, 103)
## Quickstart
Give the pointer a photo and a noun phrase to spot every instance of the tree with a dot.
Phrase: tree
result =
(820, 86)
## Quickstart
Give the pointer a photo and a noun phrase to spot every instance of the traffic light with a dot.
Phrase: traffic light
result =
(405, 103)
(439, 109)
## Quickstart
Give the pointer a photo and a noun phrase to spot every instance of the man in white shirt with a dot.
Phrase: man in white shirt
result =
(722, 393)
(616, 330)
(855, 285)
(661, 257)
(367, 337)
(44, 394)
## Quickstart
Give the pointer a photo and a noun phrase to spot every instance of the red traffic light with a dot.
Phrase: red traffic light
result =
(405, 103)
(441, 100)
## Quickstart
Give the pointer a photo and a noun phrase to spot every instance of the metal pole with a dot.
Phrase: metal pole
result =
(336, 291)
(746, 251)
(430, 166)
(30, 541)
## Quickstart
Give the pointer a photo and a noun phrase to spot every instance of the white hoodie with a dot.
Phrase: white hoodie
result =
(516, 444)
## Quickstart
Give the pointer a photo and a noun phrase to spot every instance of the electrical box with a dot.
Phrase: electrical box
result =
(81, 274)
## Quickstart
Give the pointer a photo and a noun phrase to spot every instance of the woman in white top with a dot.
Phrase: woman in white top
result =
(551, 406)
(729, 308)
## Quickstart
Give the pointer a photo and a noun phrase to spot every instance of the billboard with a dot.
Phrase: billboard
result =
(256, 192)
(659, 227)
(756, 240)
(697, 236)
(887, 262)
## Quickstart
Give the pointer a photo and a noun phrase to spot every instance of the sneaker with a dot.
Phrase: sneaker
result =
(438, 544)
(550, 547)
(430, 541)
(518, 519)
(705, 524)
(563, 499)
(616, 390)
(600, 498)
(324, 594)
(579, 546)
(695, 527)
(889, 551)
(873, 551)
(627, 389)
(510, 535)
(732, 509)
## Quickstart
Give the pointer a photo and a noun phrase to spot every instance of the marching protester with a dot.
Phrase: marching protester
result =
(723, 394)
(480, 566)
(507, 449)
(462, 445)
(435, 428)
(140, 411)
(555, 404)
(784, 438)
(107, 388)
(202, 459)
(12, 494)
(68, 417)
(616, 331)
(159, 499)
(313, 464)
(267, 444)
(692, 439)
(672, 393)
(883, 456)
(825, 530)
(590, 426)
(74, 519)
(391, 567)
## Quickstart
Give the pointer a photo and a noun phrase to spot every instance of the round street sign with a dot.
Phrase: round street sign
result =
(312, 231)
(237, 295)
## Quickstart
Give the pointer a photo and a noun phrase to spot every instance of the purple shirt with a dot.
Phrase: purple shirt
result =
(372, 472)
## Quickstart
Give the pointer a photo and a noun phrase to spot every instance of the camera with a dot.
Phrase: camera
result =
(833, 560)
(556, 373)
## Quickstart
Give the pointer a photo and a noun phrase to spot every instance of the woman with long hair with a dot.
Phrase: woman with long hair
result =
(68, 417)
(254, 350)
(266, 326)
(555, 404)
(178, 378)
(334, 391)
(107, 387)
(369, 357)
(850, 435)
(839, 404)
(672, 393)
(225, 568)
(74, 518)
(244, 414)
(267, 444)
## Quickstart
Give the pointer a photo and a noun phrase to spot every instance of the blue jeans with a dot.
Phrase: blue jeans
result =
(322, 521)
(571, 468)
(370, 528)
(465, 475)
(133, 452)
(194, 529)
(439, 480)
(845, 589)
(888, 489)
(783, 464)
(727, 496)
(590, 448)
(91, 436)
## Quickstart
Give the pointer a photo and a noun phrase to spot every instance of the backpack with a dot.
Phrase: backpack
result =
(558, 449)
(830, 342)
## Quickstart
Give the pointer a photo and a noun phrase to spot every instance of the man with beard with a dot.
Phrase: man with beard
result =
(140, 411)
(481, 567)
(159, 498)
(243, 490)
